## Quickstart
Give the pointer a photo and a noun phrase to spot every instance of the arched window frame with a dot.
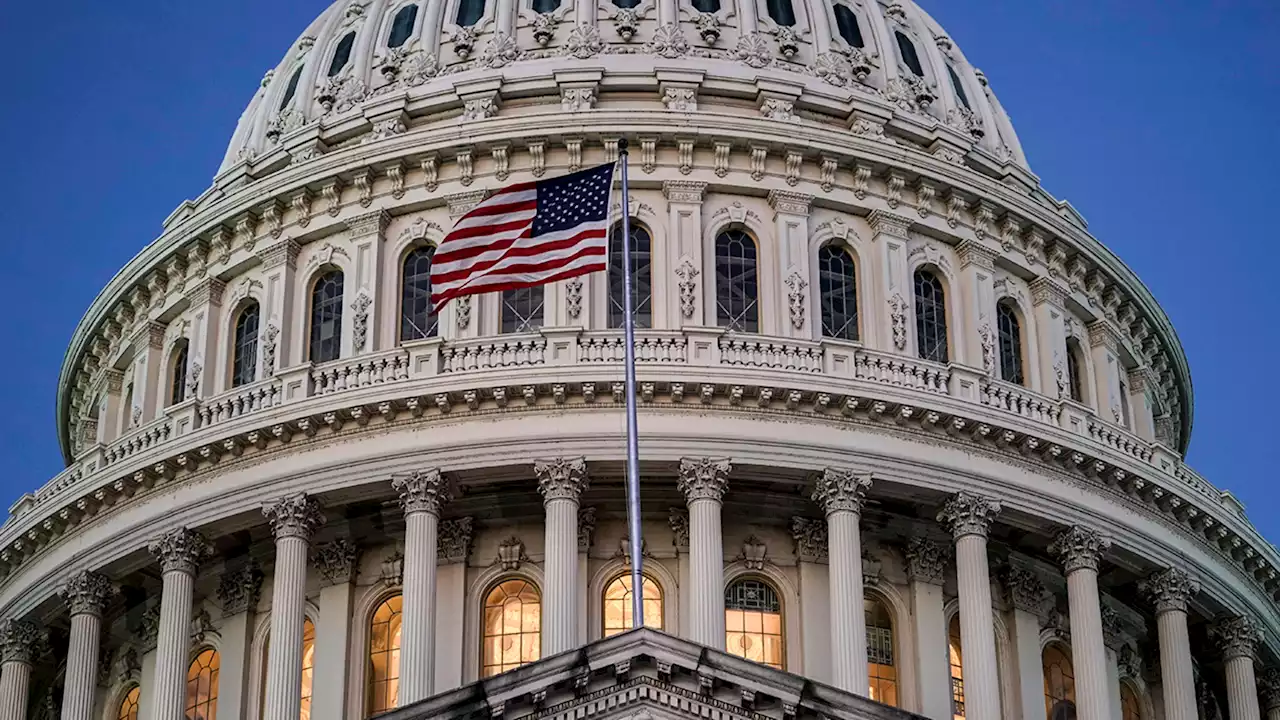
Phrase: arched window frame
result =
(1051, 694)
(948, 310)
(782, 611)
(179, 367)
(115, 710)
(869, 47)
(289, 89)
(962, 95)
(743, 321)
(259, 647)
(487, 16)
(477, 590)
(903, 38)
(366, 653)
(1008, 692)
(311, 287)
(216, 662)
(891, 609)
(613, 283)
(1012, 360)
(624, 578)
(484, 597)
(331, 53)
(254, 368)
(432, 328)
(818, 294)
(656, 572)
(1080, 390)
(389, 20)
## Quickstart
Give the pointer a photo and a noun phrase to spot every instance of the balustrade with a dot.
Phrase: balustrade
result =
(611, 348)
(360, 372)
(1020, 401)
(241, 401)
(494, 353)
(143, 438)
(901, 371)
(1119, 439)
(771, 353)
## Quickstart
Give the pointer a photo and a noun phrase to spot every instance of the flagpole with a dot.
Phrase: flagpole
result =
(633, 448)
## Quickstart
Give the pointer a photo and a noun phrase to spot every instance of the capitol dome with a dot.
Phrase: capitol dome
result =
(911, 439)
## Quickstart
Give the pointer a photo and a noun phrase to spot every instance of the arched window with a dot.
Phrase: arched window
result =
(955, 85)
(881, 670)
(1059, 684)
(244, 348)
(957, 669)
(308, 666)
(418, 317)
(326, 317)
(641, 277)
(737, 293)
(402, 26)
(1129, 707)
(617, 604)
(292, 89)
(908, 51)
(626, 3)
(781, 12)
(545, 6)
(1124, 398)
(512, 627)
(470, 12)
(838, 292)
(1009, 331)
(202, 686)
(706, 6)
(178, 374)
(931, 317)
(384, 656)
(522, 309)
(129, 704)
(753, 622)
(847, 26)
(127, 408)
(1075, 370)
(342, 54)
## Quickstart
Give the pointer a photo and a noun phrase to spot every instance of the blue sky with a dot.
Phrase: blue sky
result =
(1157, 119)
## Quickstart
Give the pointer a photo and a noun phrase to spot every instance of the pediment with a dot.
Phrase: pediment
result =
(647, 675)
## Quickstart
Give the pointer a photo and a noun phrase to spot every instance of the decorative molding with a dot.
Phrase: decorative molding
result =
(422, 491)
(561, 478)
(679, 521)
(180, 550)
(810, 536)
(454, 545)
(1025, 590)
(968, 514)
(1170, 590)
(703, 478)
(1236, 637)
(511, 554)
(687, 275)
(586, 527)
(239, 590)
(295, 516)
(839, 490)
(926, 561)
(1079, 548)
(796, 287)
(336, 561)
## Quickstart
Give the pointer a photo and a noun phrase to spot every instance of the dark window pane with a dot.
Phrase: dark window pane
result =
(290, 91)
(244, 362)
(418, 318)
(1010, 333)
(1073, 372)
(707, 6)
(522, 309)
(838, 293)
(931, 317)
(781, 12)
(909, 56)
(737, 293)
(402, 26)
(752, 595)
(955, 85)
(641, 280)
(178, 379)
(326, 317)
(470, 12)
(342, 54)
(545, 6)
(847, 24)
(626, 3)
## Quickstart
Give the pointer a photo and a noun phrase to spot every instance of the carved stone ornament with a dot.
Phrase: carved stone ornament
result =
(1060, 375)
(678, 99)
(796, 287)
(20, 641)
(988, 349)
(283, 123)
(1269, 689)
(464, 41)
(708, 27)
(479, 109)
(87, 593)
(926, 561)
(753, 553)
(336, 561)
(126, 667)
(385, 129)
(455, 540)
(1025, 590)
(193, 378)
(501, 51)
(577, 99)
(1236, 637)
(968, 514)
(688, 286)
(148, 627)
(544, 27)
(898, 319)
(859, 64)
(703, 478)
(360, 323)
(753, 50)
(462, 307)
(391, 573)
(573, 297)
(1169, 590)
(1079, 548)
(679, 520)
(239, 590)
(180, 550)
(422, 491)
(342, 93)
(788, 41)
(202, 627)
(295, 516)
(627, 23)
(841, 491)
(832, 68)
(511, 554)
(966, 121)
(810, 536)
(584, 41)
(586, 527)
(561, 478)
(669, 42)
(270, 337)
(776, 109)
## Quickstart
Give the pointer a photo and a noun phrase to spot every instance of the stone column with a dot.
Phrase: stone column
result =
(1104, 343)
(293, 520)
(977, 324)
(1111, 639)
(704, 482)
(1269, 691)
(1238, 637)
(277, 349)
(179, 553)
(205, 375)
(238, 592)
(19, 641)
(969, 518)
(1027, 595)
(86, 594)
(1048, 299)
(841, 494)
(678, 519)
(422, 494)
(926, 570)
(561, 482)
(453, 549)
(335, 563)
(1080, 549)
(1169, 591)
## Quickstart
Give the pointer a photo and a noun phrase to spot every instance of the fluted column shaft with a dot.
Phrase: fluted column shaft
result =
(179, 553)
(561, 483)
(18, 641)
(1269, 687)
(293, 520)
(86, 594)
(841, 494)
(1170, 591)
(704, 482)
(1080, 550)
(1238, 638)
(422, 494)
(970, 518)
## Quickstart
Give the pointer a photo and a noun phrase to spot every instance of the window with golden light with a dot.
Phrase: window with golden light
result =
(129, 705)
(881, 672)
(202, 686)
(753, 622)
(512, 627)
(1129, 709)
(384, 656)
(308, 666)
(1059, 683)
(617, 604)
(957, 669)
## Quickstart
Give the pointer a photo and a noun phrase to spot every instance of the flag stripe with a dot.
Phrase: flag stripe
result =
(498, 283)
(530, 258)
(518, 246)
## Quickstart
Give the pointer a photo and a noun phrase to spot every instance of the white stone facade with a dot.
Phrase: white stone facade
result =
(223, 485)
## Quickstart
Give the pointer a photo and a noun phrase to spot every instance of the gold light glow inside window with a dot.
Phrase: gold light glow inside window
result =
(617, 605)
(1129, 709)
(512, 627)
(308, 666)
(957, 670)
(202, 686)
(882, 673)
(129, 705)
(1059, 681)
(384, 656)
(753, 622)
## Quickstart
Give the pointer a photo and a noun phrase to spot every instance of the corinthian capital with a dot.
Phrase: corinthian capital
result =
(422, 491)
(704, 478)
(180, 550)
(561, 478)
(1236, 637)
(1026, 592)
(1079, 548)
(87, 593)
(1169, 589)
(293, 516)
(926, 561)
(1269, 689)
(841, 491)
(968, 514)
(239, 589)
(19, 641)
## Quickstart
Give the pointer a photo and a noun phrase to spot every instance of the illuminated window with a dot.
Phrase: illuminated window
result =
(129, 705)
(617, 605)
(1009, 331)
(326, 317)
(737, 291)
(753, 622)
(308, 666)
(178, 374)
(1129, 708)
(641, 277)
(384, 656)
(244, 357)
(418, 317)
(880, 653)
(1059, 684)
(838, 292)
(931, 317)
(512, 627)
(202, 686)
(957, 669)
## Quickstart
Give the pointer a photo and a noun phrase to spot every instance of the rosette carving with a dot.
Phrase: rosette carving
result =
(20, 641)
(926, 561)
(669, 41)
(561, 478)
(180, 550)
(293, 516)
(841, 491)
(1169, 590)
(704, 478)
(87, 593)
(1079, 548)
(753, 50)
(1237, 637)
(422, 491)
(968, 514)
(584, 41)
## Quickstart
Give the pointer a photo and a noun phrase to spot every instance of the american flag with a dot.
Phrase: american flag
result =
(527, 234)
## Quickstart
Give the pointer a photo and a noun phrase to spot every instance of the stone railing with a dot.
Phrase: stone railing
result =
(907, 372)
(609, 347)
(360, 372)
(493, 353)
(1020, 401)
(771, 353)
(139, 440)
(239, 402)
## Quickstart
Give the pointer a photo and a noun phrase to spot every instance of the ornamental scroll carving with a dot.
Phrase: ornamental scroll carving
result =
(810, 536)
(336, 561)
(586, 527)
(898, 319)
(360, 322)
(703, 478)
(988, 349)
(1079, 548)
(688, 286)
(561, 478)
(180, 550)
(573, 297)
(841, 491)
(293, 516)
(968, 514)
(511, 554)
(270, 337)
(87, 592)
(422, 491)
(796, 287)
(1169, 590)
(1026, 591)
(455, 540)
(679, 520)
(926, 561)
(239, 590)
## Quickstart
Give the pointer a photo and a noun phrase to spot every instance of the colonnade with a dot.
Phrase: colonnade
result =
(839, 493)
